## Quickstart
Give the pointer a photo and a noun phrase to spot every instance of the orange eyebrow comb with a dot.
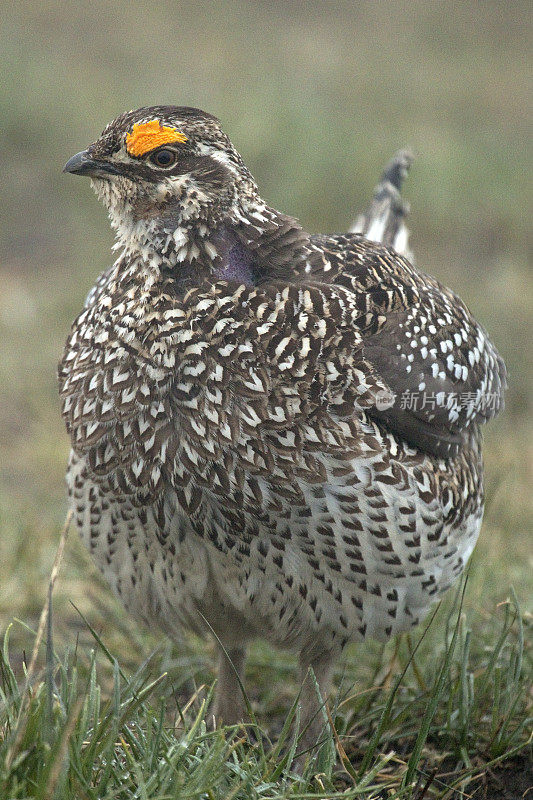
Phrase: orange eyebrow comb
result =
(146, 136)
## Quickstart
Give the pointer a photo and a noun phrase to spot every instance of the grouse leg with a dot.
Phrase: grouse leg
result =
(312, 712)
(229, 705)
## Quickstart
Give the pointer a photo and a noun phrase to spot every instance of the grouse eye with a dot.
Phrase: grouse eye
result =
(164, 157)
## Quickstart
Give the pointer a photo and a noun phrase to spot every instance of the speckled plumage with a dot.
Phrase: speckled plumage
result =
(239, 396)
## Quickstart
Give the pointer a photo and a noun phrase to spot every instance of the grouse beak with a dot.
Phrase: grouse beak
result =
(83, 164)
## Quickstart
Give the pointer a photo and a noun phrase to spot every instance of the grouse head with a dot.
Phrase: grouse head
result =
(163, 169)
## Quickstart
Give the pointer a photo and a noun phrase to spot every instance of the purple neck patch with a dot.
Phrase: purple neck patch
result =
(236, 265)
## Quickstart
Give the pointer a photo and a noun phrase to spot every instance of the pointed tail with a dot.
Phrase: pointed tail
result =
(385, 219)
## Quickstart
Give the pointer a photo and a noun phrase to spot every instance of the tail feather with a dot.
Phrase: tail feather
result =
(385, 219)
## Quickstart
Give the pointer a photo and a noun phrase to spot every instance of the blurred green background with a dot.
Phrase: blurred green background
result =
(316, 97)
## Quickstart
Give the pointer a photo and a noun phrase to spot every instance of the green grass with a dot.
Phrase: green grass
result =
(434, 731)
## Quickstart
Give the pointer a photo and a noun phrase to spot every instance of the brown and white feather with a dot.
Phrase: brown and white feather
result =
(230, 457)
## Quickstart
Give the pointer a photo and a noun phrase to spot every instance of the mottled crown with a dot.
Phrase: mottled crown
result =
(152, 126)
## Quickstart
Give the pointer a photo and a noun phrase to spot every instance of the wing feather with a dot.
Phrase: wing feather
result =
(443, 373)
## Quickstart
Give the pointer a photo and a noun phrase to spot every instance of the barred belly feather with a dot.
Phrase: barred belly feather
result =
(236, 487)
